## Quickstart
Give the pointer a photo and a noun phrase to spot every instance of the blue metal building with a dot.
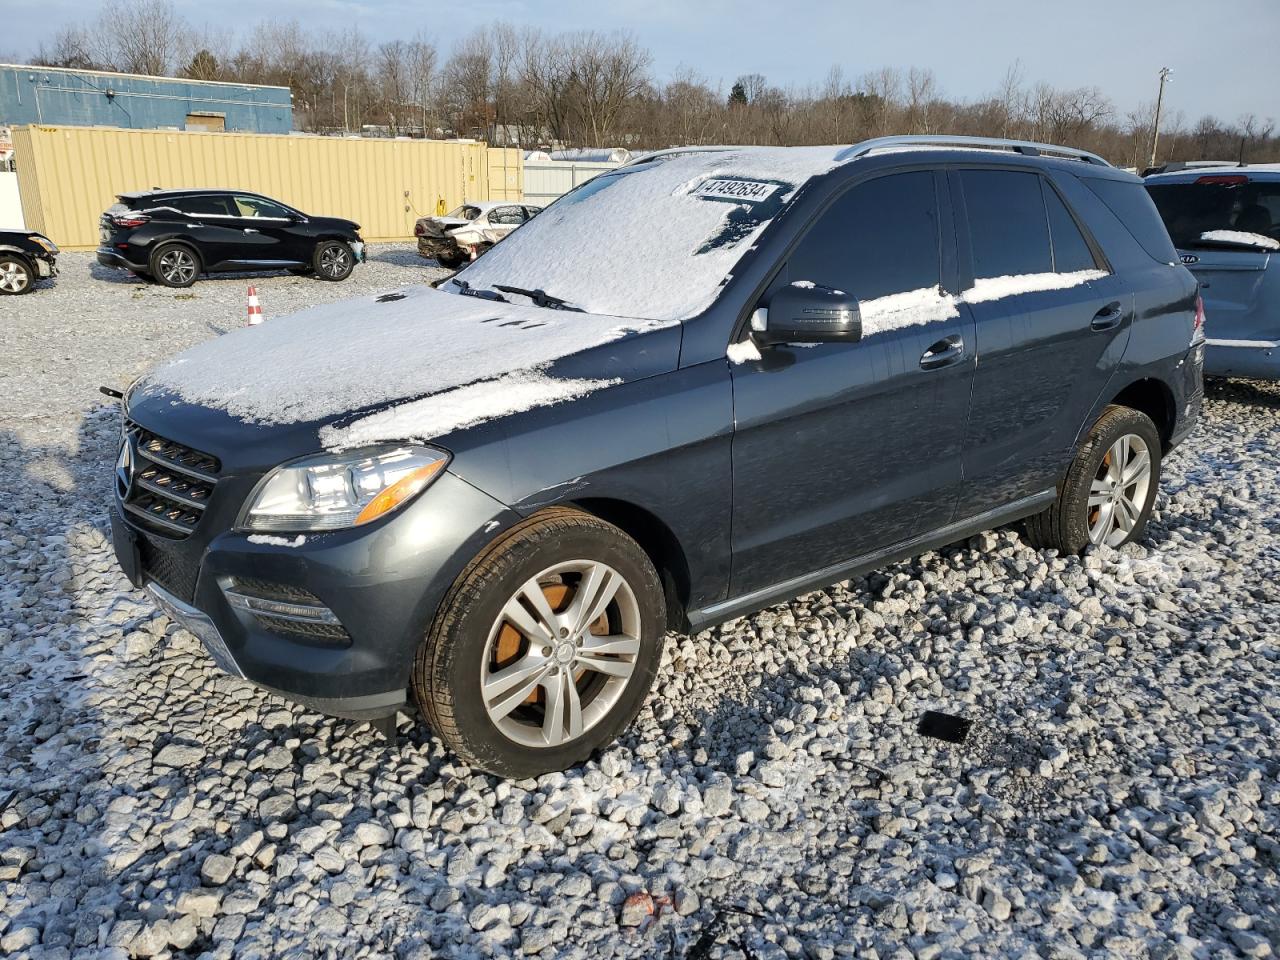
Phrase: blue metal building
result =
(56, 95)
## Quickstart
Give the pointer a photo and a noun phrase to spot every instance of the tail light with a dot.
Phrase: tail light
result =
(129, 221)
(419, 229)
(1197, 328)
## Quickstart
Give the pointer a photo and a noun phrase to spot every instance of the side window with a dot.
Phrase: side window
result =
(205, 206)
(879, 238)
(1130, 202)
(506, 216)
(532, 212)
(1008, 229)
(1070, 249)
(258, 207)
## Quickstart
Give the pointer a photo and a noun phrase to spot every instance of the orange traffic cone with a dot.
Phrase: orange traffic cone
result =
(255, 311)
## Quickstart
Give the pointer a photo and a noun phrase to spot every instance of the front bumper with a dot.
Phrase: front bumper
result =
(383, 583)
(46, 267)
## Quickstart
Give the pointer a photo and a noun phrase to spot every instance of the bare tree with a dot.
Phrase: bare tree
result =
(143, 37)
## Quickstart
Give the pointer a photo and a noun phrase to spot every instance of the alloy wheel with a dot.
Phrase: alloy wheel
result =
(177, 266)
(334, 260)
(560, 653)
(1119, 491)
(13, 279)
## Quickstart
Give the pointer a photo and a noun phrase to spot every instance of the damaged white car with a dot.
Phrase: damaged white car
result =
(465, 233)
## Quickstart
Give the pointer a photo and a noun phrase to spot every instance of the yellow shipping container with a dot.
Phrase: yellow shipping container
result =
(68, 175)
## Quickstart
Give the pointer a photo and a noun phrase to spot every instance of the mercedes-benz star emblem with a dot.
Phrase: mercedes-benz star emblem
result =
(124, 469)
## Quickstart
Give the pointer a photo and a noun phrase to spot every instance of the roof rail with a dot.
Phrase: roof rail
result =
(1025, 147)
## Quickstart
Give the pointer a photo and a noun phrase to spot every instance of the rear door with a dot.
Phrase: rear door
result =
(502, 220)
(212, 223)
(1051, 323)
(843, 449)
(1227, 230)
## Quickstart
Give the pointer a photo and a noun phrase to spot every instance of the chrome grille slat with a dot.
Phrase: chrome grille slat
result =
(170, 485)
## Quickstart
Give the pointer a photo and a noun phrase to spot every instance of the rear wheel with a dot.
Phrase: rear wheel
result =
(16, 275)
(174, 265)
(1110, 488)
(544, 648)
(333, 260)
(449, 261)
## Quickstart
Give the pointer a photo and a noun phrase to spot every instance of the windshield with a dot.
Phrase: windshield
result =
(653, 241)
(1218, 209)
(464, 212)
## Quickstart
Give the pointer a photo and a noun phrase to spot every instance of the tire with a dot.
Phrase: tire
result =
(16, 275)
(449, 262)
(1086, 512)
(174, 265)
(333, 260)
(473, 639)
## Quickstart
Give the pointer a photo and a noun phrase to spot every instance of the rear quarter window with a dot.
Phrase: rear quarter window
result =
(1131, 203)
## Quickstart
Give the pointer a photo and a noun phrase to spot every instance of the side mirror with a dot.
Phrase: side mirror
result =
(808, 314)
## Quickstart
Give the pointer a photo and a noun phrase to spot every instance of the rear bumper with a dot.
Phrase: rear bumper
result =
(1188, 393)
(108, 257)
(1252, 359)
(433, 247)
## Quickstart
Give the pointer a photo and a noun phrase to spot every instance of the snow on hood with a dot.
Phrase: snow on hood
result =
(370, 351)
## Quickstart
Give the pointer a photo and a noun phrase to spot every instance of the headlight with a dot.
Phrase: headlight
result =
(328, 492)
(45, 242)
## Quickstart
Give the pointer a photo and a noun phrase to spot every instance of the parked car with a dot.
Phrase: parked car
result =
(465, 233)
(493, 499)
(1226, 226)
(25, 258)
(173, 236)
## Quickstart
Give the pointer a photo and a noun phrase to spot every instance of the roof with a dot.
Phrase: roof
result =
(36, 68)
(187, 192)
(1267, 171)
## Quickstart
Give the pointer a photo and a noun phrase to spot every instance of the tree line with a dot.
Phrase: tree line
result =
(524, 87)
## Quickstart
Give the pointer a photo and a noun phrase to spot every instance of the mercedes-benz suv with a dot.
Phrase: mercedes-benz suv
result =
(699, 384)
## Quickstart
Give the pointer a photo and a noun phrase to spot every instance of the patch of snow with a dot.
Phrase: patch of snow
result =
(463, 406)
(341, 357)
(1242, 237)
(987, 289)
(268, 540)
(642, 241)
(898, 310)
(803, 284)
(742, 351)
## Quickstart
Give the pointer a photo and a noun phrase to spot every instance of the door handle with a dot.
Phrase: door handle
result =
(250, 230)
(945, 352)
(1108, 317)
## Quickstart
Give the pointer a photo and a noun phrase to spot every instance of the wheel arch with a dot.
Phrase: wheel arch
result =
(1155, 398)
(657, 540)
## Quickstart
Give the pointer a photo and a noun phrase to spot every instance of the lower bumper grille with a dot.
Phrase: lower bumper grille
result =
(289, 610)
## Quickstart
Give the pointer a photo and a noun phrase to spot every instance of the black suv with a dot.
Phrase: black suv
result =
(697, 385)
(172, 236)
(25, 257)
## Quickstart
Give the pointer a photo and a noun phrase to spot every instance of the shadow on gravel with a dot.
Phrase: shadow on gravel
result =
(1254, 393)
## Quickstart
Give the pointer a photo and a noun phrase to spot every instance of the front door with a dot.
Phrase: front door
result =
(271, 233)
(843, 449)
(1052, 322)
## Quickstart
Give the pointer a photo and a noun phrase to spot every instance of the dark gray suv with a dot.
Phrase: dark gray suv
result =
(705, 382)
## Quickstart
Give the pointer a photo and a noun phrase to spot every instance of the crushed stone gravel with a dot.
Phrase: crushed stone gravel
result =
(1118, 794)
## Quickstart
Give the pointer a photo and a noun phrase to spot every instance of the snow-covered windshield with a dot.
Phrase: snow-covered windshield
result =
(653, 241)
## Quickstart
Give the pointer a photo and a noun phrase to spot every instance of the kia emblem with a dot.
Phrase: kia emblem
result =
(1190, 258)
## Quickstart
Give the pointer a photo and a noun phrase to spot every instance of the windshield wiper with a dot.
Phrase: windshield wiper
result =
(540, 298)
(467, 290)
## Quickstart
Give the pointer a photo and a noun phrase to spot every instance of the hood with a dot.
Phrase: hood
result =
(335, 223)
(412, 364)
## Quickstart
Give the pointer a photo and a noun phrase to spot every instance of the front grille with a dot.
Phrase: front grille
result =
(165, 486)
(168, 565)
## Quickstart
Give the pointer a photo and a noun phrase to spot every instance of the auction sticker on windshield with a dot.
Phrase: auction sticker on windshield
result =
(750, 191)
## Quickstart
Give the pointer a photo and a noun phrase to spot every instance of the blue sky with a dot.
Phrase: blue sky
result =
(1224, 57)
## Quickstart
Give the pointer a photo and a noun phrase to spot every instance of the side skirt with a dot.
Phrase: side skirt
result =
(846, 569)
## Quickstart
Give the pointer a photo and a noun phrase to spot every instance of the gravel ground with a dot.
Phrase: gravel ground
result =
(1117, 795)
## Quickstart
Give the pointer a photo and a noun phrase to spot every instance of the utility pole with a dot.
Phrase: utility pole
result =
(1155, 136)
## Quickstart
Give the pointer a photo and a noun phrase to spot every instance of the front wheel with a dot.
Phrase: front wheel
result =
(333, 260)
(1110, 488)
(16, 275)
(545, 647)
